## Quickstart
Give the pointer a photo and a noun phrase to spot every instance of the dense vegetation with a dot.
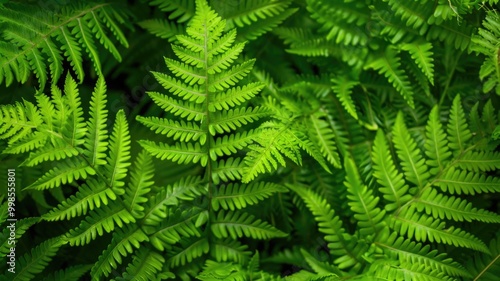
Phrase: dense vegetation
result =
(250, 140)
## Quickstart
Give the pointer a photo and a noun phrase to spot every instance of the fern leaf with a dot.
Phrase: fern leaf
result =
(145, 265)
(318, 266)
(392, 183)
(119, 146)
(162, 28)
(325, 138)
(226, 170)
(416, 171)
(413, 271)
(274, 141)
(486, 267)
(21, 227)
(75, 125)
(177, 108)
(481, 161)
(235, 196)
(410, 252)
(89, 196)
(389, 65)
(82, 33)
(139, 185)
(185, 189)
(53, 34)
(436, 145)
(178, 224)
(330, 225)
(71, 50)
(96, 139)
(99, 221)
(181, 153)
(238, 224)
(458, 131)
(452, 208)
(183, 131)
(228, 121)
(230, 144)
(35, 262)
(342, 86)
(456, 181)
(424, 228)
(182, 10)
(224, 250)
(362, 201)
(65, 172)
(422, 53)
(123, 243)
(234, 96)
(73, 273)
(189, 250)
(176, 87)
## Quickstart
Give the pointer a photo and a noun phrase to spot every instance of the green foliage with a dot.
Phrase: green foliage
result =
(34, 38)
(250, 140)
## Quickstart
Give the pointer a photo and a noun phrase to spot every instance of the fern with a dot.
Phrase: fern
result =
(31, 44)
(417, 202)
(373, 114)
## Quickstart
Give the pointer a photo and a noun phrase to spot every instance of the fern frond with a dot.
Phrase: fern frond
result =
(123, 243)
(322, 134)
(422, 53)
(224, 250)
(185, 189)
(481, 161)
(452, 34)
(139, 185)
(416, 171)
(239, 224)
(162, 28)
(231, 144)
(21, 227)
(35, 42)
(178, 224)
(97, 222)
(181, 153)
(227, 170)
(119, 154)
(330, 225)
(452, 208)
(274, 141)
(235, 196)
(456, 181)
(362, 201)
(413, 271)
(424, 228)
(342, 86)
(228, 121)
(35, 262)
(457, 129)
(392, 183)
(89, 196)
(188, 251)
(486, 267)
(410, 252)
(96, 139)
(182, 10)
(145, 265)
(390, 66)
(183, 131)
(436, 144)
(65, 172)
